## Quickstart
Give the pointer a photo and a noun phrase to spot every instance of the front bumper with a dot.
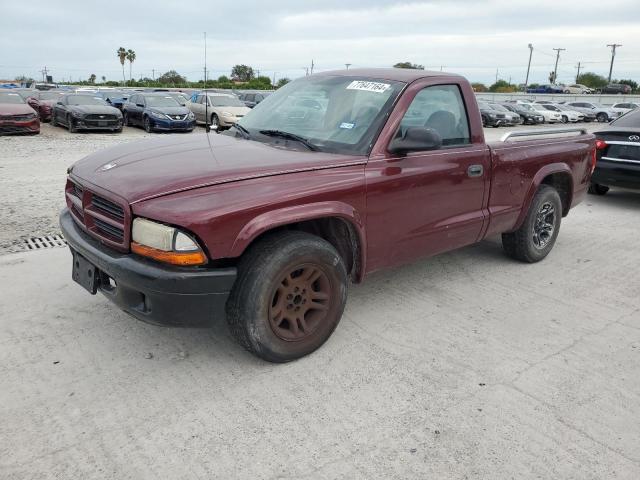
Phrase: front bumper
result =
(150, 291)
(27, 126)
(166, 124)
(82, 124)
(228, 121)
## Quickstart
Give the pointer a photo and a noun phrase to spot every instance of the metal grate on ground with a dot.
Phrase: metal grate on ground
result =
(47, 241)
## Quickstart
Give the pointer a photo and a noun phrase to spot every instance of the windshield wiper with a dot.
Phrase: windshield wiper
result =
(245, 133)
(290, 136)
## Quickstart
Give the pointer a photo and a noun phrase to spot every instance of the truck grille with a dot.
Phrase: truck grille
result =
(106, 219)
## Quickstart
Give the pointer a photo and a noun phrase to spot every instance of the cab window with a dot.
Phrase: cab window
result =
(442, 109)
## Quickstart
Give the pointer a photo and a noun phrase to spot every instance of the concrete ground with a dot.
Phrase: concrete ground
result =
(466, 365)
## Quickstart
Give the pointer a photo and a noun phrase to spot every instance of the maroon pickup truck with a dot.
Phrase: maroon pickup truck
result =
(331, 178)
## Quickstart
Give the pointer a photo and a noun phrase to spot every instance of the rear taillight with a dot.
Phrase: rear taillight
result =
(601, 144)
(594, 159)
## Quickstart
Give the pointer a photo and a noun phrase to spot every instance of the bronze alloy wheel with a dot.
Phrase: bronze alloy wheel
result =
(300, 302)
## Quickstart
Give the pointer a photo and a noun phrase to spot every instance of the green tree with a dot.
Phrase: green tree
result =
(479, 87)
(502, 86)
(592, 80)
(122, 55)
(92, 78)
(223, 79)
(282, 82)
(104, 79)
(131, 56)
(408, 65)
(171, 78)
(242, 73)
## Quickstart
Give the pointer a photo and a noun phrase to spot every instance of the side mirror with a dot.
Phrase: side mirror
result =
(416, 139)
(139, 105)
(58, 103)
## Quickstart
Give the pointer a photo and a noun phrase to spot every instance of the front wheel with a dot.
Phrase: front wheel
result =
(147, 125)
(71, 125)
(565, 119)
(215, 122)
(536, 236)
(597, 189)
(289, 296)
(602, 117)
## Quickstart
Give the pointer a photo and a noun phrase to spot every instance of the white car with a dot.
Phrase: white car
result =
(568, 115)
(549, 115)
(626, 106)
(576, 88)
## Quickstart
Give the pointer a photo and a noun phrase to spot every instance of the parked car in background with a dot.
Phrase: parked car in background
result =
(32, 98)
(251, 99)
(182, 98)
(510, 117)
(490, 117)
(221, 111)
(158, 111)
(568, 115)
(16, 116)
(549, 116)
(546, 89)
(265, 225)
(618, 155)
(626, 106)
(86, 112)
(527, 113)
(50, 97)
(577, 88)
(603, 114)
(616, 89)
(115, 98)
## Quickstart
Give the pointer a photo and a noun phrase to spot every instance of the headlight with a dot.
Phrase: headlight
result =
(158, 115)
(191, 116)
(76, 114)
(165, 244)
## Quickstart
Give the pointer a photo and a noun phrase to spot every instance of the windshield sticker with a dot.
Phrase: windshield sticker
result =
(347, 125)
(368, 86)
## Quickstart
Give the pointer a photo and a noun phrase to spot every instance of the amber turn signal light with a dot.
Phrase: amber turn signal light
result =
(174, 258)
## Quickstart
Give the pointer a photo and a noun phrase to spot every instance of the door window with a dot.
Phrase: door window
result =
(442, 109)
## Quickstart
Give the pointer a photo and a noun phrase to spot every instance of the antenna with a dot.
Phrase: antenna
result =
(206, 97)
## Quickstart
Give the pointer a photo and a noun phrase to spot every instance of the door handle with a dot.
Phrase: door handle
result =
(475, 171)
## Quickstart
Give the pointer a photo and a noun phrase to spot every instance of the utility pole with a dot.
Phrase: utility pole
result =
(44, 72)
(613, 55)
(496, 75)
(555, 69)
(306, 69)
(578, 74)
(347, 65)
(153, 74)
(312, 65)
(526, 80)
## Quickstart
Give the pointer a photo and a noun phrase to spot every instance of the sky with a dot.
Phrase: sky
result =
(480, 40)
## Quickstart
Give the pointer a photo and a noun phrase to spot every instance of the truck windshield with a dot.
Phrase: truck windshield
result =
(331, 113)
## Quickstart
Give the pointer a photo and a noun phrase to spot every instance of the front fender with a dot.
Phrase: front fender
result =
(298, 213)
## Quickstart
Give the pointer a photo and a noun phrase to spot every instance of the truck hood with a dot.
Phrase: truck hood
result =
(153, 168)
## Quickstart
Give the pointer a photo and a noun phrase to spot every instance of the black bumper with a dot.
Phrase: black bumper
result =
(150, 291)
(617, 174)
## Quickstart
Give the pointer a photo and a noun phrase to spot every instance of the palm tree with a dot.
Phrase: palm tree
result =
(131, 56)
(104, 79)
(92, 78)
(122, 54)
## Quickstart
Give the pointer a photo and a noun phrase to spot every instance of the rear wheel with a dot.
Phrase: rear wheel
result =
(536, 236)
(289, 296)
(597, 189)
(125, 119)
(54, 122)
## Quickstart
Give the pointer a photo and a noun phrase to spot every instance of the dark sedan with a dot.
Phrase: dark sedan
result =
(618, 155)
(158, 111)
(491, 117)
(115, 98)
(16, 116)
(546, 89)
(529, 115)
(86, 112)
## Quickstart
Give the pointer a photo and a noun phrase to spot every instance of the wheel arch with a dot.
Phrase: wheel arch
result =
(556, 175)
(336, 222)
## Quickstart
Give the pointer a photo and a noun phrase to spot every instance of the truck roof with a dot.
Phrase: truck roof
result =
(406, 75)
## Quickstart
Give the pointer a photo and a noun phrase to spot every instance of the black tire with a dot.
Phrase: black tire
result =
(533, 241)
(54, 122)
(264, 292)
(125, 120)
(215, 122)
(565, 119)
(597, 189)
(602, 117)
(147, 125)
(70, 125)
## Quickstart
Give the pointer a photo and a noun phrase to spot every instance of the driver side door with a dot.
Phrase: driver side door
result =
(427, 202)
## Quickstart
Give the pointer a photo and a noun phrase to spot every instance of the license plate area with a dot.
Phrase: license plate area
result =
(85, 273)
